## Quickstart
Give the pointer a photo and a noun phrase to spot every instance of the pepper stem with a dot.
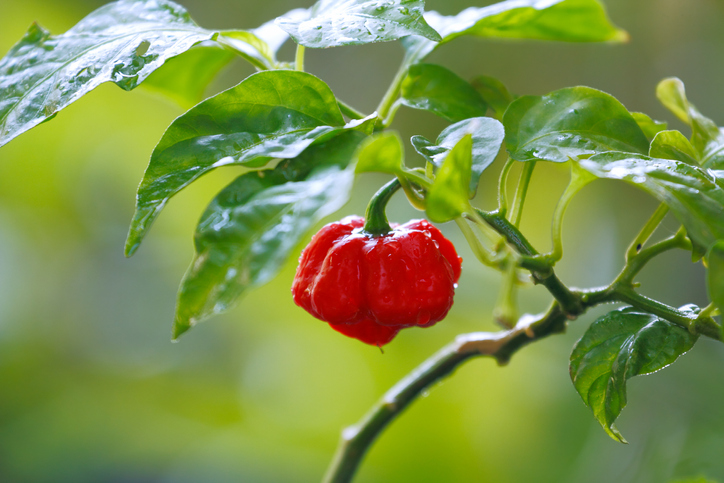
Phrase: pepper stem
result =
(376, 223)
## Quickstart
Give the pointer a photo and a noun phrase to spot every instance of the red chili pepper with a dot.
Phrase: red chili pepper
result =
(371, 287)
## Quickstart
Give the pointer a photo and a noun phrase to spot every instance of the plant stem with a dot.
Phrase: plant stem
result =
(481, 253)
(349, 111)
(503, 187)
(357, 439)
(417, 176)
(392, 93)
(429, 170)
(505, 312)
(391, 114)
(568, 305)
(417, 201)
(579, 179)
(636, 263)
(647, 231)
(541, 271)
(299, 59)
(710, 310)
(497, 221)
(376, 223)
(522, 191)
(488, 232)
(628, 295)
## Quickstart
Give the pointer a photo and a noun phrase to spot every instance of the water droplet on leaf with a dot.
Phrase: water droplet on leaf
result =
(142, 48)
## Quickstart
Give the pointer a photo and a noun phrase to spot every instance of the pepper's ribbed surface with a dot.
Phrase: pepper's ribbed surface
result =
(370, 288)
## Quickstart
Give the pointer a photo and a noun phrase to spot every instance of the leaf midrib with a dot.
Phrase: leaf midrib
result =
(568, 131)
(271, 136)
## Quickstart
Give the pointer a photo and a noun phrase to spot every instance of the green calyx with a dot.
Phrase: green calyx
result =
(376, 223)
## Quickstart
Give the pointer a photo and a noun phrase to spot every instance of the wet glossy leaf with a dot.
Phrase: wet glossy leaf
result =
(122, 42)
(616, 347)
(331, 23)
(487, 135)
(673, 145)
(494, 93)
(715, 274)
(563, 20)
(436, 89)
(448, 196)
(568, 124)
(249, 230)
(271, 114)
(692, 193)
(383, 153)
(650, 127)
(706, 137)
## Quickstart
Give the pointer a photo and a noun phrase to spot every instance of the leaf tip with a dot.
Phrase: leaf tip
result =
(142, 220)
(133, 241)
(615, 434)
(178, 330)
(131, 247)
(432, 34)
(621, 36)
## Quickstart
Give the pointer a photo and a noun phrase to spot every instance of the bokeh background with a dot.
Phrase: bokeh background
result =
(92, 390)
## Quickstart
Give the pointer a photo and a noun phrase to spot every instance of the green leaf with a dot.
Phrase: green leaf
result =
(252, 47)
(715, 275)
(122, 42)
(249, 230)
(184, 78)
(331, 23)
(706, 137)
(494, 93)
(383, 153)
(487, 136)
(260, 45)
(448, 196)
(271, 114)
(568, 124)
(562, 20)
(692, 193)
(436, 89)
(673, 145)
(650, 127)
(616, 347)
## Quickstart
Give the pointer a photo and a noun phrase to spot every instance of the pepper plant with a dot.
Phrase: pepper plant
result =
(303, 148)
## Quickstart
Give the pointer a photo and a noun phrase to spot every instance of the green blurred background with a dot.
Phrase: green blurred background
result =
(92, 390)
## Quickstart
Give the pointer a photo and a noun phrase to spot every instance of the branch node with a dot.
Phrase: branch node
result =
(390, 405)
(350, 433)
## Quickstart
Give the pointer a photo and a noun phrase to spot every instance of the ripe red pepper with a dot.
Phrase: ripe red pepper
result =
(370, 287)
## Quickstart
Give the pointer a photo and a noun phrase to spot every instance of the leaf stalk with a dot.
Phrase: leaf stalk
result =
(649, 228)
(299, 58)
(522, 191)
